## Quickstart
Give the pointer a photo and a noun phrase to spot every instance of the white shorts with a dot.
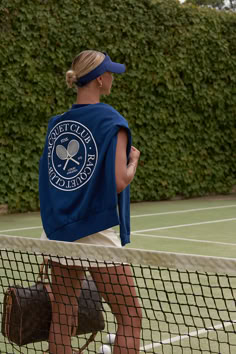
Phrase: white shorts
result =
(105, 238)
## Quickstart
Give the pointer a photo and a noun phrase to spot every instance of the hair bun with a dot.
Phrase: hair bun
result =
(70, 78)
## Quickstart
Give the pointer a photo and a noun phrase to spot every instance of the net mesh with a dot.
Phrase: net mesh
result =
(175, 303)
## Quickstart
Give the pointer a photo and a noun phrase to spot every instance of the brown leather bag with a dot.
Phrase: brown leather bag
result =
(27, 312)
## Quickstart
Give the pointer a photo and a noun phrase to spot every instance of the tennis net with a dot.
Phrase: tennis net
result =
(187, 302)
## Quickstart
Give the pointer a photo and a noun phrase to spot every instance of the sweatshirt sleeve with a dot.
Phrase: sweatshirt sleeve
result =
(124, 215)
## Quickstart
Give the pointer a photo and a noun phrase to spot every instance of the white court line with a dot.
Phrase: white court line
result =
(142, 215)
(6, 235)
(184, 211)
(185, 239)
(184, 225)
(156, 229)
(22, 228)
(191, 334)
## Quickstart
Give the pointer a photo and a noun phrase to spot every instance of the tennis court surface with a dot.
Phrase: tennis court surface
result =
(183, 260)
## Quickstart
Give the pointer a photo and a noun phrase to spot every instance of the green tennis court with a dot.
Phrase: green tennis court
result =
(180, 303)
(204, 226)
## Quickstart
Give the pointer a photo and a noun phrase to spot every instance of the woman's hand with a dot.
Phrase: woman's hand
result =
(134, 155)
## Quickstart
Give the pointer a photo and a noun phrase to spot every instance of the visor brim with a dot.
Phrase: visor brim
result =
(115, 68)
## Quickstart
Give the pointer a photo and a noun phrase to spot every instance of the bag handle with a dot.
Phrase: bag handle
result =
(80, 351)
(89, 340)
(43, 275)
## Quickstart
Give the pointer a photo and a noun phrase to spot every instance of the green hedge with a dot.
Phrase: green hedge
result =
(178, 93)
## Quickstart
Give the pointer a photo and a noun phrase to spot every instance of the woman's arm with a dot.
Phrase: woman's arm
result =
(124, 173)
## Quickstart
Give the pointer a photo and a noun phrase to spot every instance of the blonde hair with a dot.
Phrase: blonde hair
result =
(82, 64)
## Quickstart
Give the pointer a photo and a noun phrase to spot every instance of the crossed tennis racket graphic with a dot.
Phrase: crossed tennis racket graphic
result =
(69, 153)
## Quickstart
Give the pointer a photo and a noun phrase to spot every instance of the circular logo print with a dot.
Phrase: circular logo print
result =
(72, 155)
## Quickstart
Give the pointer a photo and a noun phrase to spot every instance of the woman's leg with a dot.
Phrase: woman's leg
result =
(116, 285)
(66, 285)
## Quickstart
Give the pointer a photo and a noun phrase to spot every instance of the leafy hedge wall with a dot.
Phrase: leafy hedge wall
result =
(178, 93)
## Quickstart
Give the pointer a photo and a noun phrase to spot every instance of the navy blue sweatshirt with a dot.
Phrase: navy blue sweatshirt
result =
(77, 186)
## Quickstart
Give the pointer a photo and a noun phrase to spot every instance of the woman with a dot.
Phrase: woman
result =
(85, 171)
